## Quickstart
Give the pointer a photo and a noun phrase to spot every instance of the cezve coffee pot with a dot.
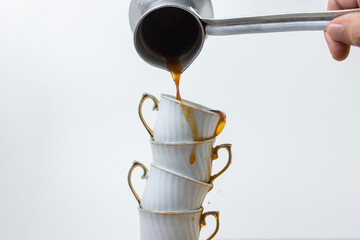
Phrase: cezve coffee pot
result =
(168, 29)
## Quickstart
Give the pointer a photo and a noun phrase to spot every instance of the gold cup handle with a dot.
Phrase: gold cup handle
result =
(215, 155)
(155, 107)
(203, 222)
(144, 176)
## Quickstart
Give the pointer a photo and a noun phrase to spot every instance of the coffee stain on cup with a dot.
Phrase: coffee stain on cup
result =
(175, 68)
(188, 113)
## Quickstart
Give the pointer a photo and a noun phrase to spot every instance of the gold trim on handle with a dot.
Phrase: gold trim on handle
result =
(203, 222)
(215, 155)
(144, 176)
(155, 107)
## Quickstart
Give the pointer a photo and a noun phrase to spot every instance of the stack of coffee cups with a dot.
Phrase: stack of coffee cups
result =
(180, 175)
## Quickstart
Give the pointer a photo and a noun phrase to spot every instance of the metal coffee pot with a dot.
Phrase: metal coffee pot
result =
(165, 30)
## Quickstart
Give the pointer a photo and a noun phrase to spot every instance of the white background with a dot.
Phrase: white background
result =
(70, 83)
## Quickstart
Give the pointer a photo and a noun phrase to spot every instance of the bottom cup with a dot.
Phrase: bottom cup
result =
(174, 225)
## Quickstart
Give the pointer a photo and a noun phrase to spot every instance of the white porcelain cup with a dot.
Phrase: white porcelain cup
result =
(174, 225)
(191, 159)
(169, 191)
(182, 121)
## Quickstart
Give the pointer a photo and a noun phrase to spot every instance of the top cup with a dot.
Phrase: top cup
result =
(182, 121)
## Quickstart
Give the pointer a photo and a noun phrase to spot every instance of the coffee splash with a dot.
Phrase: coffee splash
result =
(222, 121)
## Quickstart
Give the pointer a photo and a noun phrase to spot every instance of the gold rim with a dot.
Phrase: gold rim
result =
(203, 222)
(208, 185)
(144, 176)
(170, 213)
(216, 155)
(155, 108)
(206, 141)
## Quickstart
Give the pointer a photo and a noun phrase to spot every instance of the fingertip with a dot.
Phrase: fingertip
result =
(336, 32)
(339, 51)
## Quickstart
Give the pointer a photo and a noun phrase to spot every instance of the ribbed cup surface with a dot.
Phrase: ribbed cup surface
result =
(166, 191)
(157, 226)
(172, 124)
(176, 157)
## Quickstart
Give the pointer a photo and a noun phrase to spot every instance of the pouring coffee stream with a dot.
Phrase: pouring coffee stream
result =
(175, 69)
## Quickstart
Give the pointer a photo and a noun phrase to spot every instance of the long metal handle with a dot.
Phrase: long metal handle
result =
(273, 23)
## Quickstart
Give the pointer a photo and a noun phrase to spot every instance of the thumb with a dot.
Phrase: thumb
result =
(345, 29)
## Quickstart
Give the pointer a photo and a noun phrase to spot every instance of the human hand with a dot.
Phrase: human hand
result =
(343, 31)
